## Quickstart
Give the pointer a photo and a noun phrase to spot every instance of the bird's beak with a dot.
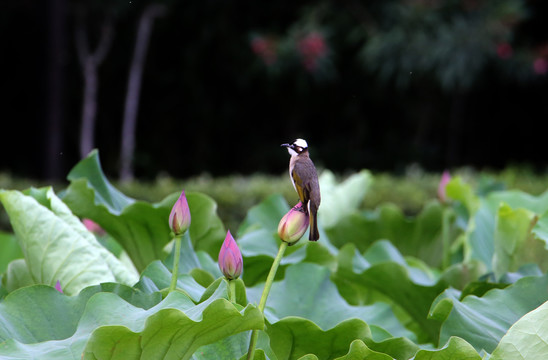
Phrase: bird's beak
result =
(285, 145)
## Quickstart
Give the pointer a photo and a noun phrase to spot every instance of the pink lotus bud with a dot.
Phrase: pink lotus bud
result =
(93, 227)
(179, 219)
(230, 258)
(58, 287)
(294, 224)
(445, 178)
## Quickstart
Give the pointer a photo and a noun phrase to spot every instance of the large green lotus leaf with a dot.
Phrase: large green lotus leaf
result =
(100, 310)
(341, 200)
(196, 272)
(190, 259)
(40, 313)
(418, 236)
(479, 236)
(521, 233)
(265, 215)
(136, 297)
(17, 275)
(308, 292)
(320, 254)
(483, 321)
(89, 169)
(527, 339)
(383, 270)
(541, 228)
(262, 349)
(206, 230)
(160, 275)
(207, 264)
(358, 350)
(295, 337)
(197, 264)
(397, 348)
(482, 212)
(455, 348)
(140, 227)
(458, 190)
(478, 224)
(57, 246)
(259, 355)
(9, 250)
(258, 234)
(515, 244)
(108, 313)
(170, 334)
(232, 347)
(519, 199)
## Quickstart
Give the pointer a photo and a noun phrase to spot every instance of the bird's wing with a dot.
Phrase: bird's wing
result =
(300, 187)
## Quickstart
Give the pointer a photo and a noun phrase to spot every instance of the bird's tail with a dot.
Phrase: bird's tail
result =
(314, 234)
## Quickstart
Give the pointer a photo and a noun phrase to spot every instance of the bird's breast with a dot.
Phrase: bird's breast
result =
(291, 167)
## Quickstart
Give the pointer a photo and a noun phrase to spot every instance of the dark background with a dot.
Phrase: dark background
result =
(209, 104)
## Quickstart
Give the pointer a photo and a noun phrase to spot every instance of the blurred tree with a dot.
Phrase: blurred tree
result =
(90, 60)
(129, 124)
(88, 15)
(379, 81)
(305, 46)
(450, 42)
(423, 45)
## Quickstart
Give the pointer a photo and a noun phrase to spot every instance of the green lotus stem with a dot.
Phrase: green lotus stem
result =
(176, 256)
(446, 215)
(232, 291)
(264, 296)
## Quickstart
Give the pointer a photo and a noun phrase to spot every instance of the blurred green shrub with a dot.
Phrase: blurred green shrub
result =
(236, 194)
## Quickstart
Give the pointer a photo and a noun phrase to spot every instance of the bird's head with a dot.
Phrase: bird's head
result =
(296, 147)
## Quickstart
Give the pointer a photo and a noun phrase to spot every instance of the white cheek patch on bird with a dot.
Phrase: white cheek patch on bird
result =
(291, 152)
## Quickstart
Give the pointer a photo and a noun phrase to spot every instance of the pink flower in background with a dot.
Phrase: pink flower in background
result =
(265, 48)
(540, 66)
(93, 227)
(230, 258)
(312, 47)
(445, 178)
(504, 50)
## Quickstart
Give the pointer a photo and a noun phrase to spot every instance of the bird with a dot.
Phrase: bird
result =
(304, 177)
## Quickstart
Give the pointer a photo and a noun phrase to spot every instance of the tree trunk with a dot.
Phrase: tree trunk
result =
(89, 108)
(129, 126)
(90, 62)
